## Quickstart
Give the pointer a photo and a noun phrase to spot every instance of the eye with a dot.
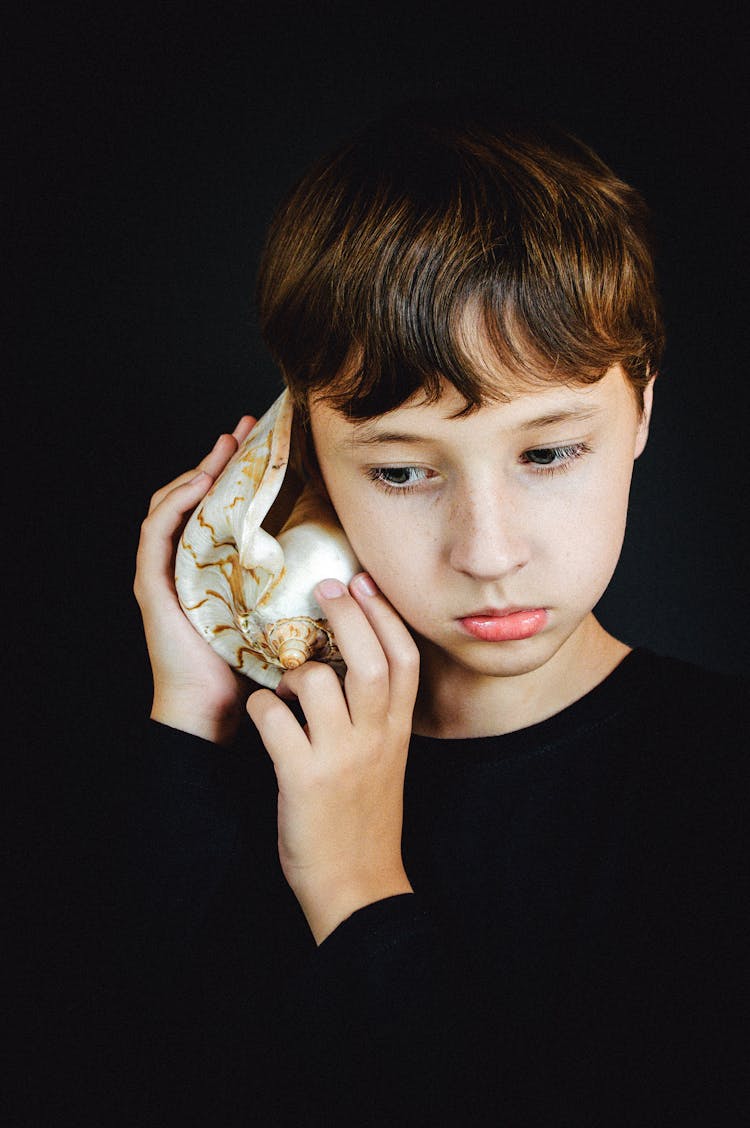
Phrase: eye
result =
(397, 479)
(544, 456)
(550, 459)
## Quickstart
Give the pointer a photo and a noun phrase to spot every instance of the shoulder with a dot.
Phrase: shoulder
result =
(670, 673)
(690, 733)
(671, 695)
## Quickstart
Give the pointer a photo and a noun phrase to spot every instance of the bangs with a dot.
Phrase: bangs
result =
(498, 262)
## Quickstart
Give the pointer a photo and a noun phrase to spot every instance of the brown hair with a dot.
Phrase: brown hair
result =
(440, 210)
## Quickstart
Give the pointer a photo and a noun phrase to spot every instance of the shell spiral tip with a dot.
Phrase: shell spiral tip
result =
(293, 653)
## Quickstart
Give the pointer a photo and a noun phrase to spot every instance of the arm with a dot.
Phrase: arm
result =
(381, 997)
(197, 798)
(341, 776)
(196, 929)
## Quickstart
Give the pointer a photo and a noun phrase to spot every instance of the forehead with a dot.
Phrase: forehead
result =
(446, 418)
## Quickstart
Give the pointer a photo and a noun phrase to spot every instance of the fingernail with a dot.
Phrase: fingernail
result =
(364, 584)
(330, 589)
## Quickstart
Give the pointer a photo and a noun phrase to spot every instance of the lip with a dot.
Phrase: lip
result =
(504, 624)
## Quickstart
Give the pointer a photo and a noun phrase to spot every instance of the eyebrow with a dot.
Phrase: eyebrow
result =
(367, 435)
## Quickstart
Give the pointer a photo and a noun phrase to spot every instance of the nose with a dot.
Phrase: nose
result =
(487, 538)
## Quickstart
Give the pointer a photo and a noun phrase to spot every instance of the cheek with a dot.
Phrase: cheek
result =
(392, 549)
(593, 533)
(392, 556)
(376, 534)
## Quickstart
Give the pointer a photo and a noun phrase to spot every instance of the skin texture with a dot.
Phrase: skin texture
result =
(487, 526)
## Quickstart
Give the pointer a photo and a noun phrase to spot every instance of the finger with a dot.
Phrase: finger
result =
(243, 428)
(319, 692)
(156, 548)
(279, 729)
(223, 449)
(395, 639)
(213, 463)
(367, 681)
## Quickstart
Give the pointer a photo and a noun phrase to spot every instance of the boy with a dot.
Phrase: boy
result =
(513, 840)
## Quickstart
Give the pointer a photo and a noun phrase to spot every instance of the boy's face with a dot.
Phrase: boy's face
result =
(493, 535)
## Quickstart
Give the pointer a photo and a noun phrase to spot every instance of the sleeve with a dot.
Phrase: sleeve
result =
(209, 1001)
(402, 1005)
(216, 1002)
(197, 929)
(177, 832)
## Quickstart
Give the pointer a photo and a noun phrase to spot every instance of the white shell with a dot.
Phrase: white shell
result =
(249, 592)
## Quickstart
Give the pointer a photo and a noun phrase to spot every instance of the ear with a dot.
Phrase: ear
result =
(645, 420)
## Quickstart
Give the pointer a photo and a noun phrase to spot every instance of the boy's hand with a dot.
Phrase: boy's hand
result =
(341, 778)
(194, 689)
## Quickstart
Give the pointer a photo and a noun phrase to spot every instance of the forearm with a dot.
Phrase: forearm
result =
(392, 1001)
(177, 823)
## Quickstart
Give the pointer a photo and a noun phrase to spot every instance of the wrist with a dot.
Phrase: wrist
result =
(219, 724)
(326, 909)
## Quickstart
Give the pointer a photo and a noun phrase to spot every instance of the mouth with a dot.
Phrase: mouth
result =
(508, 624)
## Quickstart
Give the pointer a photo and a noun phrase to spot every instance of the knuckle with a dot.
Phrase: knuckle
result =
(373, 672)
(146, 526)
(325, 772)
(407, 656)
(409, 661)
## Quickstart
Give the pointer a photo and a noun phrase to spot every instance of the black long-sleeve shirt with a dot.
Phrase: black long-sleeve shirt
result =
(571, 954)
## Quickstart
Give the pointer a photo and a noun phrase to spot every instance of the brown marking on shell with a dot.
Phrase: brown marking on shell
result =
(214, 563)
(257, 660)
(212, 532)
(184, 544)
(235, 585)
(268, 594)
(254, 463)
(205, 524)
(195, 606)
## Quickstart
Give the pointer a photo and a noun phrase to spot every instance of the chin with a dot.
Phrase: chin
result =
(504, 659)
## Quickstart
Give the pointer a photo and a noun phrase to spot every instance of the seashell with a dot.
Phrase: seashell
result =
(253, 551)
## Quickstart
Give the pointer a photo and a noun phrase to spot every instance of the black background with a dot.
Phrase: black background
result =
(150, 147)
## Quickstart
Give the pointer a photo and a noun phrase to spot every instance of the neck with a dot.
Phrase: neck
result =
(457, 702)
